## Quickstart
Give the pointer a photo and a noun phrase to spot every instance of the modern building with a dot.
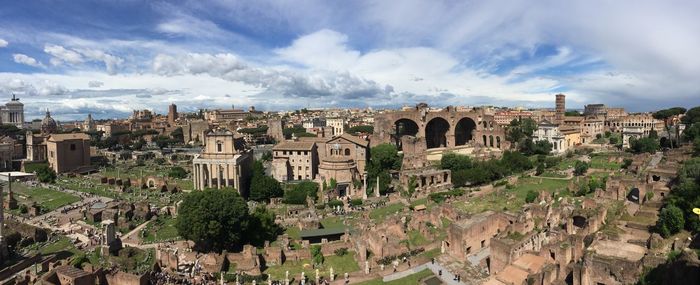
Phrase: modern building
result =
(12, 113)
(68, 152)
(295, 160)
(338, 125)
(561, 138)
(223, 162)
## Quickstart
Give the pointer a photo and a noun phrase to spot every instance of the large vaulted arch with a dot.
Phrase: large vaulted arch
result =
(404, 127)
(436, 133)
(463, 131)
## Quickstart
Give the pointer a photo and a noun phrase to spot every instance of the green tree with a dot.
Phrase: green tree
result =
(665, 114)
(692, 116)
(317, 255)
(454, 162)
(262, 227)
(177, 172)
(361, 129)
(670, 221)
(215, 220)
(531, 196)
(411, 186)
(540, 169)
(300, 191)
(642, 145)
(383, 158)
(580, 168)
(46, 174)
(263, 187)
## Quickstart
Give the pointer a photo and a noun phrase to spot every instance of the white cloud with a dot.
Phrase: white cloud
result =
(77, 56)
(95, 84)
(3, 43)
(60, 55)
(27, 60)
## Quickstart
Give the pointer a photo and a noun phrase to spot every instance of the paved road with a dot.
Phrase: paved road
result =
(436, 267)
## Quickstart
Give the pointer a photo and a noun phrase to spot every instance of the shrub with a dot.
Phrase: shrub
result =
(356, 202)
(341, 251)
(531, 196)
(335, 203)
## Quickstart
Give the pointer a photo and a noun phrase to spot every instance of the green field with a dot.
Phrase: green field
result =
(162, 229)
(340, 264)
(511, 199)
(47, 199)
(380, 214)
(601, 162)
(413, 279)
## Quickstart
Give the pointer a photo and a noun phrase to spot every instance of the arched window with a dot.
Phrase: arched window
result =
(219, 146)
(485, 141)
(347, 152)
(491, 141)
(498, 142)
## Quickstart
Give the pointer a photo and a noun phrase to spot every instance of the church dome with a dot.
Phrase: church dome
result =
(48, 124)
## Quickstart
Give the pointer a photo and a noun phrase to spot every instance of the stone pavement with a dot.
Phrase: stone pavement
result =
(436, 267)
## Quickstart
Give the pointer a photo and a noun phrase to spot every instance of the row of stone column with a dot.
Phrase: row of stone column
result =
(203, 175)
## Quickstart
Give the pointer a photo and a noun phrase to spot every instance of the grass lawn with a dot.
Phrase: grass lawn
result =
(390, 209)
(511, 199)
(601, 162)
(413, 279)
(415, 238)
(565, 164)
(62, 244)
(552, 174)
(48, 199)
(340, 264)
(332, 222)
(161, 229)
(293, 232)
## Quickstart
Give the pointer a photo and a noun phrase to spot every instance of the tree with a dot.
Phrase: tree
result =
(665, 114)
(384, 157)
(454, 162)
(299, 193)
(614, 140)
(266, 156)
(262, 227)
(670, 221)
(642, 145)
(540, 169)
(626, 163)
(411, 186)
(317, 255)
(531, 196)
(215, 220)
(263, 187)
(361, 129)
(696, 147)
(692, 116)
(177, 172)
(162, 141)
(580, 168)
(46, 174)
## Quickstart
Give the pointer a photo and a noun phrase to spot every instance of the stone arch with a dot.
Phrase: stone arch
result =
(151, 183)
(491, 141)
(579, 221)
(633, 195)
(463, 131)
(436, 133)
(655, 177)
(484, 137)
(404, 127)
(347, 152)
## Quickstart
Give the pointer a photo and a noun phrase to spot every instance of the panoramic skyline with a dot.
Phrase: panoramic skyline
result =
(109, 58)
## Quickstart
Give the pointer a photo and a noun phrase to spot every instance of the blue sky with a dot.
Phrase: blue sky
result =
(109, 57)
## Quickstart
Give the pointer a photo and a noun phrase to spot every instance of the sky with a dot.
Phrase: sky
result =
(108, 58)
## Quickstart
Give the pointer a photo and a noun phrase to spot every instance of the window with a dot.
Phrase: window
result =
(72, 146)
(347, 151)
(219, 147)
